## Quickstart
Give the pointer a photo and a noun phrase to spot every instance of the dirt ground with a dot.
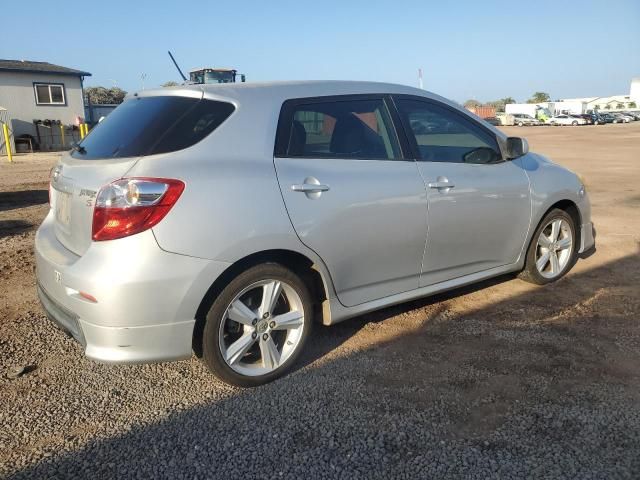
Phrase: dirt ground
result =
(497, 365)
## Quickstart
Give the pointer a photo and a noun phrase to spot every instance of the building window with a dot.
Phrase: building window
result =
(49, 93)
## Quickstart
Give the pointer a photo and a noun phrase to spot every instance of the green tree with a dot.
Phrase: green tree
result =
(472, 103)
(620, 105)
(539, 97)
(632, 104)
(105, 96)
(499, 104)
(170, 83)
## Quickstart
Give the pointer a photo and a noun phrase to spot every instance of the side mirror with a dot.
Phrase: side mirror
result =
(516, 147)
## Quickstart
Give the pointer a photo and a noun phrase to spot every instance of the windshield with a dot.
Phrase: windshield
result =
(151, 125)
(218, 77)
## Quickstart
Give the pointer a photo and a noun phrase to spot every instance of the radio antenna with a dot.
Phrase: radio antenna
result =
(176, 64)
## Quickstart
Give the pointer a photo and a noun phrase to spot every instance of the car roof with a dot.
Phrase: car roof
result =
(284, 90)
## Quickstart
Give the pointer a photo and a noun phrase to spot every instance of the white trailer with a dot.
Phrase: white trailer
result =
(541, 111)
(570, 107)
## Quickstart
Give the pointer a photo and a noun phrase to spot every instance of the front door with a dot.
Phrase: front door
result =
(351, 196)
(479, 204)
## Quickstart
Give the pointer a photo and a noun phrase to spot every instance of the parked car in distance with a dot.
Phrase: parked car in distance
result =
(493, 121)
(587, 118)
(225, 219)
(565, 119)
(622, 118)
(608, 118)
(596, 118)
(522, 119)
(630, 116)
(590, 118)
(635, 115)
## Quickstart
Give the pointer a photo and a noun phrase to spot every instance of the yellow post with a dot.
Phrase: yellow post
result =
(62, 134)
(7, 141)
(81, 131)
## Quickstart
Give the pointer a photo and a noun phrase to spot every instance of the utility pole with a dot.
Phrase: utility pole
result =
(420, 79)
(142, 77)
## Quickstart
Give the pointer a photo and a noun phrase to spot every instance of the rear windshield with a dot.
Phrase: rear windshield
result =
(150, 125)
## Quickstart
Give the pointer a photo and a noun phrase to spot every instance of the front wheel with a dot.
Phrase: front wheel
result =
(552, 250)
(575, 124)
(258, 325)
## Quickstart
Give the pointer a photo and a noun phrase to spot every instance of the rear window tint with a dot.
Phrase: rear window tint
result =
(348, 129)
(150, 125)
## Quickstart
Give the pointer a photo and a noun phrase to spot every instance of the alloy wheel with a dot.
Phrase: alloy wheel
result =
(261, 328)
(554, 248)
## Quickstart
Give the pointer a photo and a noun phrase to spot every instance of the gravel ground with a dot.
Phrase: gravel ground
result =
(499, 380)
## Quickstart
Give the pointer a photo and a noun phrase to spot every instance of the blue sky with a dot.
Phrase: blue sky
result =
(467, 49)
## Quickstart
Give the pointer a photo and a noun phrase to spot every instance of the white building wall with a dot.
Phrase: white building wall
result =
(634, 92)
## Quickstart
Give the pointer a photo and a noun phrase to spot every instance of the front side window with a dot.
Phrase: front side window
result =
(152, 125)
(49, 94)
(350, 129)
(442, 135)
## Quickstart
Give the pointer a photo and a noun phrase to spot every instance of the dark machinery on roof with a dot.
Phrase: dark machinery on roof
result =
(209, 75)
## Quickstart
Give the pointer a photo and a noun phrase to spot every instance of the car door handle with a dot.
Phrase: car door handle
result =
(310, 188)
(440, 185)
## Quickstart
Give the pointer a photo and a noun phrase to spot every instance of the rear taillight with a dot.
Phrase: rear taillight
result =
(133, 205)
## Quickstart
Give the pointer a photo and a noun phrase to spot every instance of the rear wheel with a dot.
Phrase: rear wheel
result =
(574, 123)
(258, 325)
(551, 253)
(520, 124)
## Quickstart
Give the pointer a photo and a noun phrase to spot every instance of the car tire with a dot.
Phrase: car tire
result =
(549, 259)
(520, 124)
(574, 123)
(249, 351)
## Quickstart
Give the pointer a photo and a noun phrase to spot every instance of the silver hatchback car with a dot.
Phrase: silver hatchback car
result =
(223, 220)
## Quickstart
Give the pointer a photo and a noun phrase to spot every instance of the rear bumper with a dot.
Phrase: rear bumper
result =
(66, 320)
(140, 344)
(146, 298)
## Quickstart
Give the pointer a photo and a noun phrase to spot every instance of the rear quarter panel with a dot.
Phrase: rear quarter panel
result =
(231, 206)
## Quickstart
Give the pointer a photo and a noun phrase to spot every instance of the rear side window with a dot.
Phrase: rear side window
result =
(350, 129)
(150, 125)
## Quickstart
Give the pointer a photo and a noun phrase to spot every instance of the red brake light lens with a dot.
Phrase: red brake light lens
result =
(133, 205)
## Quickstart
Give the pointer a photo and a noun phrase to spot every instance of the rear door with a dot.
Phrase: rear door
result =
(479, 205)
(351, 195)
